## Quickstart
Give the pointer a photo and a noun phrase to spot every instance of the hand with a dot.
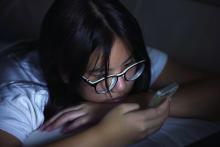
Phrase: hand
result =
(76, 116)
(141, 98)
(126, 123)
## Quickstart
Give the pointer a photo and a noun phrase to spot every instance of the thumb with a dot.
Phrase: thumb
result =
(128, 107)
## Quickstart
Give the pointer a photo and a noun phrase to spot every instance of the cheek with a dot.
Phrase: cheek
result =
(122, 92)
(85, 90)
(129, 86)
(88, 93)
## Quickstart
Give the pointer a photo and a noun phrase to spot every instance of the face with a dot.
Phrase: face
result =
(120, 58)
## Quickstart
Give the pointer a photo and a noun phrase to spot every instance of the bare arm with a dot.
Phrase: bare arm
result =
(197, 97)
(123, 125)
(8, 140)
(88, 138)
(199, 93)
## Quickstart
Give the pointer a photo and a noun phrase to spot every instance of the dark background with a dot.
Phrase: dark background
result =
(188, 30)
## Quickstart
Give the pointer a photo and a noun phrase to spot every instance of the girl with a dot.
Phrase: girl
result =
(92, 52)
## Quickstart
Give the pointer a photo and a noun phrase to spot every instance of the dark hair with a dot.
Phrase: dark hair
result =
(73, 29)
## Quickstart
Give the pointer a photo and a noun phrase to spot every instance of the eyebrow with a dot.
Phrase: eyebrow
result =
(102, 68)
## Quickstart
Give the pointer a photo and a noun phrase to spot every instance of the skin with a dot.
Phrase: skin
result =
(195, 88)
(119, 59)
(189, 94)
(9, 140)
(123, 125)
(88, 112)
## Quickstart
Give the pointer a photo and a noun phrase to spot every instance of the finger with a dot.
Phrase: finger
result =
(77, 123)
(150, 131)
(164, 107)
(64, 111)
(159, 120)
(147, 125)
(153, 113)
(51, 120)
(67, 117)
(153, 130)
(125, 108)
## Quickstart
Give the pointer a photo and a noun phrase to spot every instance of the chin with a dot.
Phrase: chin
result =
(116, 99)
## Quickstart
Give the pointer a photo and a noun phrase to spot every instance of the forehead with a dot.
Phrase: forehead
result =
(119, 53)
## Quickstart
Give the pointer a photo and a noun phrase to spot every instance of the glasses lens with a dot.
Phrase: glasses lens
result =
(105, 84)
(134, 72)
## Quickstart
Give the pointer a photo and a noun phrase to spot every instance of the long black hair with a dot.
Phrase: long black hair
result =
(72, 30)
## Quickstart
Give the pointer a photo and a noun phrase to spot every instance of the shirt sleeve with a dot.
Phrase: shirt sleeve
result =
(158, 61)
(21, 109)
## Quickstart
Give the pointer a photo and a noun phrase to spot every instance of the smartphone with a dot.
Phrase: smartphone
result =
(162, 94)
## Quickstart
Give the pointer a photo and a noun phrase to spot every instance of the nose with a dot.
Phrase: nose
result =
(120, 85)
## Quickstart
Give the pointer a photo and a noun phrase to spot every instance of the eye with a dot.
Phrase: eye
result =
(98, 75)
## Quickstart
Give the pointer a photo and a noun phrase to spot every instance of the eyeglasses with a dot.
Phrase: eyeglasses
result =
(104, 85)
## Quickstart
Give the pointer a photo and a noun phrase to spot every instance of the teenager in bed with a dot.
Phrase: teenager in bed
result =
(89, 60)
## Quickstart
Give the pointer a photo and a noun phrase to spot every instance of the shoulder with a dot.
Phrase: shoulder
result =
(158, 61)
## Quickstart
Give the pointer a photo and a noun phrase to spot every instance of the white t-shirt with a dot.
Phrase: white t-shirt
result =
(23, 94)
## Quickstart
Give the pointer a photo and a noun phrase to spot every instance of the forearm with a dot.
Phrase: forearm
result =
(199, 99)
(8, 140)
(93, 137)
(142, 98)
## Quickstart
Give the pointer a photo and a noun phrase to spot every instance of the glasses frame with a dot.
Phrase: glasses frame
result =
(94, 83)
